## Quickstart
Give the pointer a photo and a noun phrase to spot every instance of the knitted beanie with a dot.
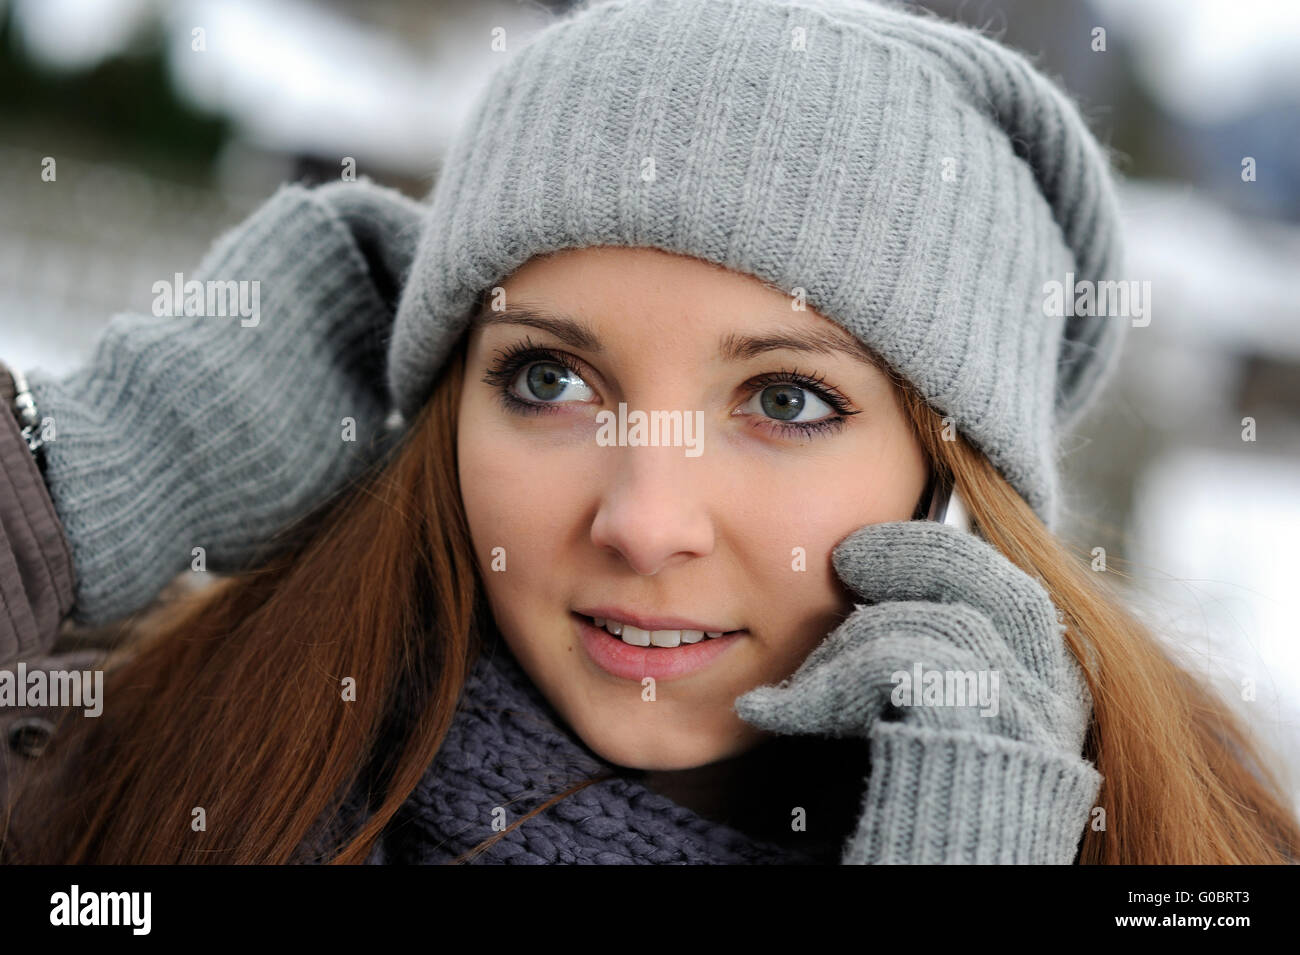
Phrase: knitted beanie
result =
(912, 180)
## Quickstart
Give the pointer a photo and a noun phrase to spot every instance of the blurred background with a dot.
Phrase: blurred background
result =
(170, 121)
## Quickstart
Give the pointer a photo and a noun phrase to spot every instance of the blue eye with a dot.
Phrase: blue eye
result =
(792, 401)
(549, 380)
(789, 403)
(530, 379)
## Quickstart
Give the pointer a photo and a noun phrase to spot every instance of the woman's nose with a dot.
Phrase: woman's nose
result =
(654, 509)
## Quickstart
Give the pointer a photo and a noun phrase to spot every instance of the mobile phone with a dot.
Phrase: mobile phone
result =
(947, 507)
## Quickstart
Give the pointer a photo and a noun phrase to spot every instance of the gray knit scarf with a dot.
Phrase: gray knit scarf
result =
(508, 748)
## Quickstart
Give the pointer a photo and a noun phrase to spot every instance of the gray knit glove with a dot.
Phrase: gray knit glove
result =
(218, 431)
(947, 784)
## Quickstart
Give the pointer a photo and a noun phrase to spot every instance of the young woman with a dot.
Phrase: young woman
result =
(815, 236)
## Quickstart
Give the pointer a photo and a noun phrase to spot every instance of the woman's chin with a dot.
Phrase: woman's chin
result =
(653, 752)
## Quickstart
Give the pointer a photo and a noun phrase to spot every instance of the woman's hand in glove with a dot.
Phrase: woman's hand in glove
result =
(1000, 780)
(216, 431)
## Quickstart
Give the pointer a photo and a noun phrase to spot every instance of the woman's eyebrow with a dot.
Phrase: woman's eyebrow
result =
(824, 341)
(571, 331)
(732, 346)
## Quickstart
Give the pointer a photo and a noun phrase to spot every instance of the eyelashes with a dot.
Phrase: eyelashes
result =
(507, 365)
(510, 360)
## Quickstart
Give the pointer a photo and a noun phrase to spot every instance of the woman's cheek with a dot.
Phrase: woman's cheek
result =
(795, 522)
(501, 485)
(488, 471)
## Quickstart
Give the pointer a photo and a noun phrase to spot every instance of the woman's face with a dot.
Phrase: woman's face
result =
(726, 522)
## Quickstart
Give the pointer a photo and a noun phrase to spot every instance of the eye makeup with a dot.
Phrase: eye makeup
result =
(512, 359)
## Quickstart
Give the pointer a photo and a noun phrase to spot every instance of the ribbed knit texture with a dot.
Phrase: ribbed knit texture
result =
(920, 182)
(196, 431)
(509, 749)
(963, 797)
(952, 797)
(821, 169)
(999, 779)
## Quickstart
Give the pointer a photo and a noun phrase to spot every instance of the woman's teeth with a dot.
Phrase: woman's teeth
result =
(636, 637)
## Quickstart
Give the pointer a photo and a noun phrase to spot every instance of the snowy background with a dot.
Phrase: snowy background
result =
(162, 147)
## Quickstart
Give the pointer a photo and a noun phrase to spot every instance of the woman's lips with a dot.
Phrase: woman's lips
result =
(662, 663)
(609, 612)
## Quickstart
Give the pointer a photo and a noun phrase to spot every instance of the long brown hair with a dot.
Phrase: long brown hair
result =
(235, 703)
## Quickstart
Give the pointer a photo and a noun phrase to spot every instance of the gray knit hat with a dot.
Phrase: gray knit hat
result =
(918, 181)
